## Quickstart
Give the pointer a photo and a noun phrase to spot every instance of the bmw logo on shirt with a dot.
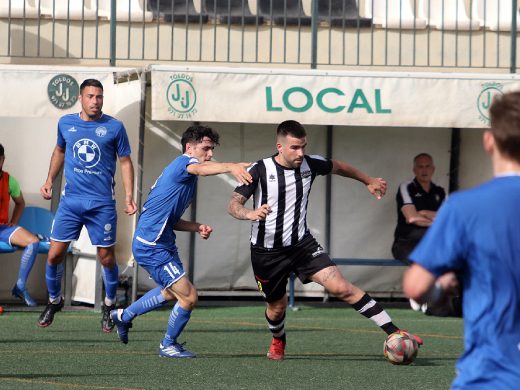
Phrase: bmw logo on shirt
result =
(87, 153)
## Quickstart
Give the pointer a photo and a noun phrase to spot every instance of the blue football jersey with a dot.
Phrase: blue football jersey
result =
(169, 197)
(477, 234)
(91, 151)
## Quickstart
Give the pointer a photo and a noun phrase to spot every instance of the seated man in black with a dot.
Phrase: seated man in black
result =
(417, 203)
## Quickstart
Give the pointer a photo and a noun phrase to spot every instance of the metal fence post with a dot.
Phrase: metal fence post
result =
(113, 25)
(314, 34)
(514, 14)
(145, 76)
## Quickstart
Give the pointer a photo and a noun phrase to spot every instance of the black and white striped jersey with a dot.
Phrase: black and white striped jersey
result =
(286, 191)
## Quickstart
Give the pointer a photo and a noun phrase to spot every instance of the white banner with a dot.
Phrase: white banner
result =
(52, 90)
(327, 98)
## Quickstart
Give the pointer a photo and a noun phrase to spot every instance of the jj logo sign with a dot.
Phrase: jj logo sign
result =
(63, 91)
(181, 96)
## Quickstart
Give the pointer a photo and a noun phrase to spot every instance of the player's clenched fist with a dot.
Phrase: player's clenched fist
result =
(205, 231)
(261, 213)
(46, 191)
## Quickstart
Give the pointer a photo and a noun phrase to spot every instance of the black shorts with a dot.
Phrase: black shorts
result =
(272, 267)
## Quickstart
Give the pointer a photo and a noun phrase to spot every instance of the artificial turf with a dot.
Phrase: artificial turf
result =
(327, 348)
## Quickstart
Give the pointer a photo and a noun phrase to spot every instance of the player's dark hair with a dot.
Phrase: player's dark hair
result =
(505, 124)
(422, 155)
(195, 134)
(1, 150)
(90, 83)
(292, 128)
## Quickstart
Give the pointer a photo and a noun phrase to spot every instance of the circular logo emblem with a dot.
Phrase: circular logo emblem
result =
(63, 91)
(101, 131)
(108, 227)
(181, 95)
(87, 152)
(485, 99)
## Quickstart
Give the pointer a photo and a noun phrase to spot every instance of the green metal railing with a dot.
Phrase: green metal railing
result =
(120, 34)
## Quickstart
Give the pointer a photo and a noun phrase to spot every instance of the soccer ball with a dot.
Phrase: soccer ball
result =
(400, 348)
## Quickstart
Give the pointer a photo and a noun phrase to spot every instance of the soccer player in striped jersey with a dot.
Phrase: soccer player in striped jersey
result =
(281, 242)
(154, 246)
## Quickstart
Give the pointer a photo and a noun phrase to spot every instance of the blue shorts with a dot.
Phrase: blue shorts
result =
(6, 232)
(163, 265)
(99, 217)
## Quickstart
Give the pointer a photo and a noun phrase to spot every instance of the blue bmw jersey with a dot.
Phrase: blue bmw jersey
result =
(477, 234)
(169, 197)
(91, 151)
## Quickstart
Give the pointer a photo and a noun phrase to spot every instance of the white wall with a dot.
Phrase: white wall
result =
(362, 227)
(475, 166)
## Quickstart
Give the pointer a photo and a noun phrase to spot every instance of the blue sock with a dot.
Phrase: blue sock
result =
(152, 300)
(53, 275)
(179, 317)
(111, 280)
(28, 257)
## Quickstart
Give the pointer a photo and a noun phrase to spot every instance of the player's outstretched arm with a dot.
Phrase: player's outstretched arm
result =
(417, 281)
(237, 209)
(195, 227)
(209, 168)
(57, 159)
(127, 171)
(375, 185)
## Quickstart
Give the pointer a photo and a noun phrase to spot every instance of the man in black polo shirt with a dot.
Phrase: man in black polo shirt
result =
(417, 203)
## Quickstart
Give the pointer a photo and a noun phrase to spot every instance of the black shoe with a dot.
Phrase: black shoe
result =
(107, 324)
(47, 315)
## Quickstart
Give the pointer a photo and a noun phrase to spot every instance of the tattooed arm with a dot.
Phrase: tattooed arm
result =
(237, 209)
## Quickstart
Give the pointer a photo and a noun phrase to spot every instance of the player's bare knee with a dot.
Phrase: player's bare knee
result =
(55, 258)
(189, 302)
(193, 298)
(107, 261)
(276, 310)
(193, 302)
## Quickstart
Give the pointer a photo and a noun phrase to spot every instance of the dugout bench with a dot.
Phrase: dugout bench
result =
(38, 220)
(339, 261)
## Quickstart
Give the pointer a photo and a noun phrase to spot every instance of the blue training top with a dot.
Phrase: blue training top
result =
(91, 151)
(477, 234)
(169, 197)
